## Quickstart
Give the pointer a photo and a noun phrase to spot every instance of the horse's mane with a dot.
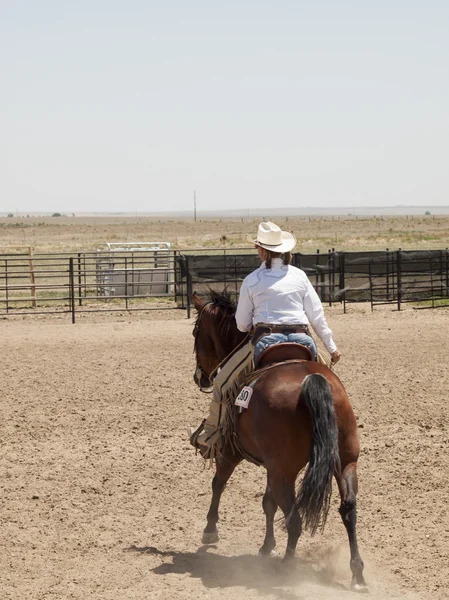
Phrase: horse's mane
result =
(222, 301)
(221, 306)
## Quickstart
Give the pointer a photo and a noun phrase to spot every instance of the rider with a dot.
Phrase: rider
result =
(278, 297)
(279, 294)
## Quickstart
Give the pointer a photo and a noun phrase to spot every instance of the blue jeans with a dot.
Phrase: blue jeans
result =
(279, 338)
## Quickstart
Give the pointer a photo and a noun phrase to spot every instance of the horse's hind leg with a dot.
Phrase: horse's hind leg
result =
(224, 469)
(283, 491)
(348, 511)
(270, 507)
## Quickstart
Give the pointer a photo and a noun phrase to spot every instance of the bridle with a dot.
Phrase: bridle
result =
(199, 371)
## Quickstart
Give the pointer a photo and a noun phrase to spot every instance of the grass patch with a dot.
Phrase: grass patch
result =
(437, 303)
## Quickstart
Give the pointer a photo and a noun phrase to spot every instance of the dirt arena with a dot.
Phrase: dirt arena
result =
(103, 498)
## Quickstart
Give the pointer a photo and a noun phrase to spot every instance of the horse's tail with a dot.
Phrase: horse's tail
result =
(314, 494)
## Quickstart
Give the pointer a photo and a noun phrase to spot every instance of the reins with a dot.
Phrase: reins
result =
(199, 370)
(221, 363)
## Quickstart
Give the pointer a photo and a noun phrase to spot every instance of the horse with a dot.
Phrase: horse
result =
(299, 415)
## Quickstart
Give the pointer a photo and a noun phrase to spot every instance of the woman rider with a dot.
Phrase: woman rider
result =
(281, 300)
(279, 294)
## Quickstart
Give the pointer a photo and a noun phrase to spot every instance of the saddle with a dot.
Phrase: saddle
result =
(282, 352)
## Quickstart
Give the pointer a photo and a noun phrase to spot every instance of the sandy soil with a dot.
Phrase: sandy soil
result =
(103, 498)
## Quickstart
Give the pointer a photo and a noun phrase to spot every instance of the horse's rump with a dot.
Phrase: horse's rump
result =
(291, 423)
(276, 403)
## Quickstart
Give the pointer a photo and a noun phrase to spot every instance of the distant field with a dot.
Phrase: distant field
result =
(53, 234)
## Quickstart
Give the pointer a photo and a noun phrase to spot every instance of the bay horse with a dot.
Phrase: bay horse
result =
(299, 415)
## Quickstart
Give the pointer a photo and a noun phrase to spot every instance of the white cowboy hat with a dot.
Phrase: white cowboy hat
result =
(271, 237)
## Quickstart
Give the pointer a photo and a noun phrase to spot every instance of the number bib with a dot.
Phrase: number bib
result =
(244, 397)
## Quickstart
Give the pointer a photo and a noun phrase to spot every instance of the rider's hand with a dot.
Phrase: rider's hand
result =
(335, 357)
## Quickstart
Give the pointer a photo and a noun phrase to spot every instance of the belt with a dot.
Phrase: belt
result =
(262, 329)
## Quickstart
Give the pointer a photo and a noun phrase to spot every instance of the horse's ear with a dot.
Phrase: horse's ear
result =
(197, 302)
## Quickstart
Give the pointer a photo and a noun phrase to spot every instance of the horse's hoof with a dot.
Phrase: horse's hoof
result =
(265, 552)
(361, 588)
(288, 557)
(210, 538)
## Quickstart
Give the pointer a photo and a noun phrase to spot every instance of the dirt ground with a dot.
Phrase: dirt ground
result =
(103, 498)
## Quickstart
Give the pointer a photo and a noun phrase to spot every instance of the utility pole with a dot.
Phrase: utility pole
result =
(194, 205)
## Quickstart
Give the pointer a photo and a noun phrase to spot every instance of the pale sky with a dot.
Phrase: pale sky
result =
(131, 105)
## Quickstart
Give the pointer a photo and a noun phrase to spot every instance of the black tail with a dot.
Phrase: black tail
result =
(314, 494)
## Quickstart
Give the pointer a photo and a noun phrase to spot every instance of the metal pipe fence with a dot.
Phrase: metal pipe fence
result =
(390, 277)
(86, 282)
(140, 281)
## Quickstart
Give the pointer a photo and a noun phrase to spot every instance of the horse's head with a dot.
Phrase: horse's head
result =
(215, 333)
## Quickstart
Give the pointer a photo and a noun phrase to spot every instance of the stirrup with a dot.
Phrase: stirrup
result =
(195, 434)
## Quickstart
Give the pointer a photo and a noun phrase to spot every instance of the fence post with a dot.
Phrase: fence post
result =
(332, 292)
(85, 275)
(370, 283)
(189, 286)
(132, 273)
(399, 276)
(224, 268)
(6, 286)
(32, 278)
(177, 278)
(341, 283)
(126, 283)
(80, 282)
(235, 278)
(387, 263)
(72, 288)
(447, 272)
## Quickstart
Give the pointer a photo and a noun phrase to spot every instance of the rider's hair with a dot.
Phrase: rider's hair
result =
(268, 256)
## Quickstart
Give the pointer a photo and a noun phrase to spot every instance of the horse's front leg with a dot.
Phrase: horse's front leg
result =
(225, 467)
(348, 511)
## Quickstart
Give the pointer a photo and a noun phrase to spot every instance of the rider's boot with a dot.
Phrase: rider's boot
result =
(194, 433)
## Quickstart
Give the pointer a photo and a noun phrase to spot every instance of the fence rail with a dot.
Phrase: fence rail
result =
(114, 281)
(86, 282)
(390, 277)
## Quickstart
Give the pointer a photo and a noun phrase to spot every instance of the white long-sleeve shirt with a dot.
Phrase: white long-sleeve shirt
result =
(281, 295)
